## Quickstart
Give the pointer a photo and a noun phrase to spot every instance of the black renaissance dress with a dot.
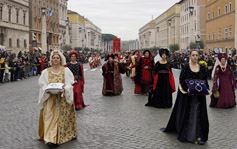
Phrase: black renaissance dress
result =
(162, 95)
(189, 116)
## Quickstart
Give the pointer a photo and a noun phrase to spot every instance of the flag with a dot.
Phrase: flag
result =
(51, 12)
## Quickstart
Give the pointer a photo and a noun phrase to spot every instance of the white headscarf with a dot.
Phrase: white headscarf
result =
(157, 58)
(57, 52)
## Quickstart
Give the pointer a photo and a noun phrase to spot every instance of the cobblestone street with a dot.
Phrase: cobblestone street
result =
(108, 123)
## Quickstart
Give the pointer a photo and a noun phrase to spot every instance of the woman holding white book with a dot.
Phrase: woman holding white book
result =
(57, 122)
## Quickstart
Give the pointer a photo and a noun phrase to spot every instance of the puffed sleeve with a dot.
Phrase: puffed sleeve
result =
(216, 81)
(43, 83)
(205, 77)
(69, 81)
(183, 75)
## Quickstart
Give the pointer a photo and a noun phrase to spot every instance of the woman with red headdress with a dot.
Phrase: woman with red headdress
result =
(144, 68)
(224, 84)
(78, 86)
(112, 79)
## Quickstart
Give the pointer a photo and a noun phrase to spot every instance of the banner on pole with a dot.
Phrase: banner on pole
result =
(116, 45)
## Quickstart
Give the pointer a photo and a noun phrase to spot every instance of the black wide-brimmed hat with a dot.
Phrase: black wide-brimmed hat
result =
(164, 51)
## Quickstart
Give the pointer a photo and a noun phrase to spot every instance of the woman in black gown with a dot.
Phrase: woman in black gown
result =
(163, 84)
(189, 116)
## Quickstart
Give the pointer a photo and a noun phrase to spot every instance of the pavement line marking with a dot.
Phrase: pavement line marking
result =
(85, 69)
(93, 69)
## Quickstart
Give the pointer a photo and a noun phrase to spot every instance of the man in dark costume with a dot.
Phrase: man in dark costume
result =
(112, 79)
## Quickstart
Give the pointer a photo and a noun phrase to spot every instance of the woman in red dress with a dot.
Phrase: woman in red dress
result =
(78, 87)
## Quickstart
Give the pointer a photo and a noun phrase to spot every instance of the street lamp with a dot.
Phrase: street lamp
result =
(169, 22)
(43, 9)
(67, 21)
(158, 29)
(191, 9)
(44, 31)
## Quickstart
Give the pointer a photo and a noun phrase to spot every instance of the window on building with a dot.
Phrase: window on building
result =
(9, 14)
(226, 33)
(219, 11)
(213, 36)
(230, 32)
(10, 42)
(209, 36)
(18, 43)
(226, 7)
(230, 7)
(0, 12)
(219, 34)
(24, 18)
(208, 16)
(25, 43)
(213, 14)
(17, 16)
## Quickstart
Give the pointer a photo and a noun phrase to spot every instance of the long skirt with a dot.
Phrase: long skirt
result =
(78, 97)
(57, 122)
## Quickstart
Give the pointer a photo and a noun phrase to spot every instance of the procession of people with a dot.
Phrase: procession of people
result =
(152, 76)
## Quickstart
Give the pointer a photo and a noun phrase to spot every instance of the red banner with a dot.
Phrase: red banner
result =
(116, 43)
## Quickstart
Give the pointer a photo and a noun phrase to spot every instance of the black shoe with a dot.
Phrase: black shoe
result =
(52, 145)
(77, 109)
(201, 142)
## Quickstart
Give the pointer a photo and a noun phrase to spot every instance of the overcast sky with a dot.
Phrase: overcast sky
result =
(122, 18)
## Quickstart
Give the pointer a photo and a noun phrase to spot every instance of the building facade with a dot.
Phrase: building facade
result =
(77, 29)
(192, 22)
(167, 28)
(220, 25)
(52, 23)
(133, 45)
(63, 28)
(94, 36)
(14, 24)
(147, 35)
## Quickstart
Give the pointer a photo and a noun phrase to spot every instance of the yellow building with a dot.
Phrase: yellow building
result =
(220, 25)
(77, 24)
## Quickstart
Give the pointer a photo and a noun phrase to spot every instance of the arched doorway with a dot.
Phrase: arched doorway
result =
(1, 39)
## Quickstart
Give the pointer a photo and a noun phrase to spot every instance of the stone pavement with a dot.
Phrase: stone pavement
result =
(120, 122)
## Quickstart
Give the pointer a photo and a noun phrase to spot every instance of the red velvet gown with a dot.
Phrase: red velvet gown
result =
(112, 79)
(78, 88)
(224, 82)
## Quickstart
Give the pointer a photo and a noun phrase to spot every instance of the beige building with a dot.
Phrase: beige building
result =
(77, 29)
(14, 24)
(147, 35)
(62, 22)
(192, 22)
(94, 36)
(167, 27)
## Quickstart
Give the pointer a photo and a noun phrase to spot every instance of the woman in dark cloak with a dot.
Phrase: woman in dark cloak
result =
(189, 116)
(163, 84)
